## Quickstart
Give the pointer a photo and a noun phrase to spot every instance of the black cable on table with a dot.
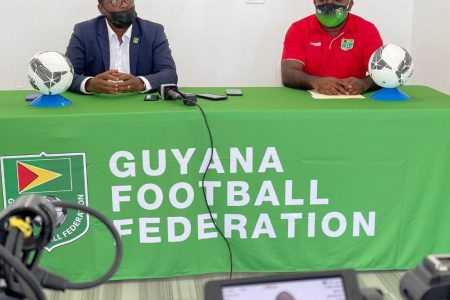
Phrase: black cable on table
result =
(204, 190)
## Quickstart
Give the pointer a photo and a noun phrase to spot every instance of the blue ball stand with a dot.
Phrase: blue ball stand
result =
(50, 101)
(390, 94)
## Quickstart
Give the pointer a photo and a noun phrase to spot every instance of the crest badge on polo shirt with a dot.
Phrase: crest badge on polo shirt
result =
(347, 44)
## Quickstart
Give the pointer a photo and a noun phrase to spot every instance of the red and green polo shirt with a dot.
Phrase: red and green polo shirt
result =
(343, 56)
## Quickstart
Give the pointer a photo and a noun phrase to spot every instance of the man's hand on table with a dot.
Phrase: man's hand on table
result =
(114, 82)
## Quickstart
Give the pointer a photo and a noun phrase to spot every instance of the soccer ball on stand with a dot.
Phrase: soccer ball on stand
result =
(51, 73)
(390, 66)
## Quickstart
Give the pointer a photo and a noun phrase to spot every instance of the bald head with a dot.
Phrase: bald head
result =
(284, 296)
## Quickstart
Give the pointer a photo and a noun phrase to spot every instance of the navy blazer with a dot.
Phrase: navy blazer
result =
(150, 55)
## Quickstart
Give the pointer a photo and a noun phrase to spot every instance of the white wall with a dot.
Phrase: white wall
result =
(214, 42)
(431, 44)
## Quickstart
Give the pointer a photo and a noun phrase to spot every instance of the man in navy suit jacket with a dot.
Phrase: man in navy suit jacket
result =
(110, 57)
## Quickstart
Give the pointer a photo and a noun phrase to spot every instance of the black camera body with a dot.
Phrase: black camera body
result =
(429, 281)
(337, 284)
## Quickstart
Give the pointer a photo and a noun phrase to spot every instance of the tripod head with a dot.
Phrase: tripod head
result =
(21, 213)
(21, 246)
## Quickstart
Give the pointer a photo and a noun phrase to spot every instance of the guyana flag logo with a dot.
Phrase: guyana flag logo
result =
(58, 177)
(33, 174)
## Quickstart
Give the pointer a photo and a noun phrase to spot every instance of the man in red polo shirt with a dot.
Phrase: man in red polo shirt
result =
(330, 51)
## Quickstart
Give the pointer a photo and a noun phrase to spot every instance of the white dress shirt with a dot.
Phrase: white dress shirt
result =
(119, 56)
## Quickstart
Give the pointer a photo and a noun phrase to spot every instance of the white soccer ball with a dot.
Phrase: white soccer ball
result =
(61, 213)
(50, 72)
(390, 66)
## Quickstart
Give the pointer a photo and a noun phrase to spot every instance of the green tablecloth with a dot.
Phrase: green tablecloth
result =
(372, 178)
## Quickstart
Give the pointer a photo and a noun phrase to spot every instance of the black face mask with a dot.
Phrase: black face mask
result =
(124, 18)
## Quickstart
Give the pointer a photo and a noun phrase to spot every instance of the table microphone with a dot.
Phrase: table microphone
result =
(170, 91)
(174, 95)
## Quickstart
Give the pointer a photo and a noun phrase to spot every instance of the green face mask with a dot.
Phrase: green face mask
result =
(331, 15)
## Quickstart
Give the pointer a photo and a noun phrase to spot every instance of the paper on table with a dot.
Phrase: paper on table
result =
(316, 95)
